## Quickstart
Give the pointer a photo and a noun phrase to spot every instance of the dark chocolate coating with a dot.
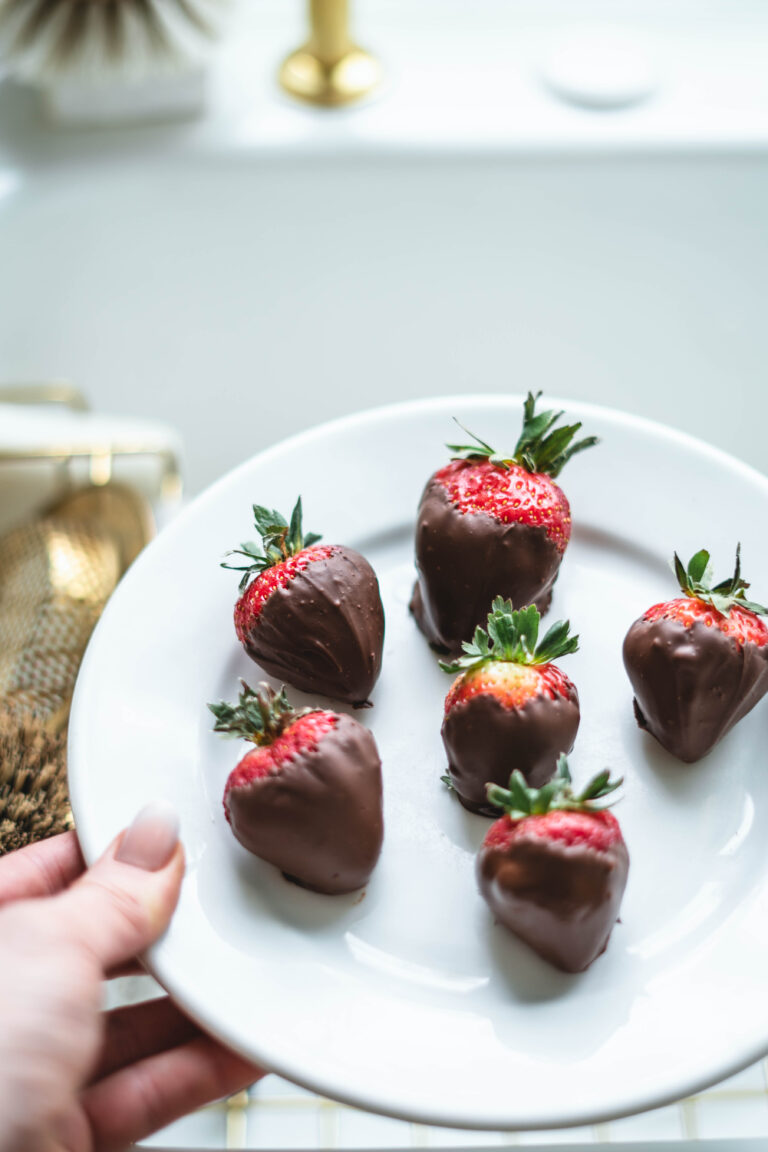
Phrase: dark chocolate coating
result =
(485, 742)
(319, 817)
(464, 560)
(561, 899)
(691, 683)
(324, 632)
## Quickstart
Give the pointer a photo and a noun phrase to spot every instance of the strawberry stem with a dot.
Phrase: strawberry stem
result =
(259, 716)
(540, 448)
(279, 540)
(512, 637)
(519, 801)
(696, 581)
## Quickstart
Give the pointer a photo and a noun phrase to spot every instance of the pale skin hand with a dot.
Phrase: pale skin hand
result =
(73, 1079)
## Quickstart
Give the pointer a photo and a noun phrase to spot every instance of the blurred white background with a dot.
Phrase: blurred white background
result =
(271, 265)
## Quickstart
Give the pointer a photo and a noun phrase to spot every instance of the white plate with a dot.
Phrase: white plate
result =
(407, 999)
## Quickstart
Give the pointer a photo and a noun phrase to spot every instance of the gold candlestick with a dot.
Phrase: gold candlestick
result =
(330, 69)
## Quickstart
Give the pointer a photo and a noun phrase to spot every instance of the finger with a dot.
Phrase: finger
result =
(138, 1100)
(124, 902)
(41, 869)
(141, 1030)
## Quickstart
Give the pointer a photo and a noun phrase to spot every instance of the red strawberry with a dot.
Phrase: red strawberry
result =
(492, 525)
(307, 798)
(510, 703)
(698, 664)
(553, 869)
(309, 614)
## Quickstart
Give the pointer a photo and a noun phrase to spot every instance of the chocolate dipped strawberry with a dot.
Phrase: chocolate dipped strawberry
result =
(510, 705)
(308, 797)
(554, 868)
(493, 525)
(309, 613)
(698, 664)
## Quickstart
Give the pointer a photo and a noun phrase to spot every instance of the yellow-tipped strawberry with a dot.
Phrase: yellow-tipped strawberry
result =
(511, 705)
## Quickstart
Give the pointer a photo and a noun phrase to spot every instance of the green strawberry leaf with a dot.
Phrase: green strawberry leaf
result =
(698, 565)
(519, 801)
(279, 540)
(260, 715)
(540, 448)
(695, 581)
(512, 636)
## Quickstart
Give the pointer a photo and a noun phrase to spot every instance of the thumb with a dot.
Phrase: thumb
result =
(125, 901)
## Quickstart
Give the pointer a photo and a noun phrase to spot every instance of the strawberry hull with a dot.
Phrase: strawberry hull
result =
(318, 817)
(692, 682)
(324, 631)
(485, 740)
(561, 899)
(465, 559)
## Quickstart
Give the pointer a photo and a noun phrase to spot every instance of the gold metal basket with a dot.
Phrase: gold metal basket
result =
(57, 572)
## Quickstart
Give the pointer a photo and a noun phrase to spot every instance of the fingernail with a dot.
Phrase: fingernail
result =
(151, 839)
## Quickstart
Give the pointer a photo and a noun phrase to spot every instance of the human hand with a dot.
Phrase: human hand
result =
(74, 1079)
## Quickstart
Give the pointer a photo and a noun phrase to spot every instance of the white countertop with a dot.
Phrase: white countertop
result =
(459, 77)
